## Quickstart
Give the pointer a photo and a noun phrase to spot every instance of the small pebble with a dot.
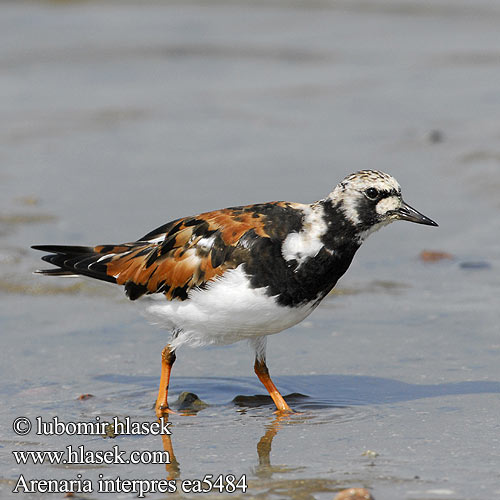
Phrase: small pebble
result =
(354, 494)
(434, 255)
(435, 136)
(480, 264)
(83, 397)
(187, 401)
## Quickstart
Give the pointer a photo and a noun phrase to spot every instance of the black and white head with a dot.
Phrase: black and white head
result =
(370, 199)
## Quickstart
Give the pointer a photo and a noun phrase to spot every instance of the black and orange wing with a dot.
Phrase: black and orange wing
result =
(177, 257)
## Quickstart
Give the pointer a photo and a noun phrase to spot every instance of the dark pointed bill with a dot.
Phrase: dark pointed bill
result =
(405, 212)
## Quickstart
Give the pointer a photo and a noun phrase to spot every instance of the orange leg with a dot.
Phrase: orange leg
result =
(263, 373)
(173, 468)
(167, 361)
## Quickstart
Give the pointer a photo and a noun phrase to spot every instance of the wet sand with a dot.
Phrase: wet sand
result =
(118, 117)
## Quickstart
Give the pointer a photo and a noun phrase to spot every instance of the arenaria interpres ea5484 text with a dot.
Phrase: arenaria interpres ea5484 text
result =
(242, 273)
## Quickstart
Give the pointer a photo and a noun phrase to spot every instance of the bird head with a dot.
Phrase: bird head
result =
(370, 199)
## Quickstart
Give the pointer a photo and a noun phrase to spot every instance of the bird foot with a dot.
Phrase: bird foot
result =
(286, 412)
(163, 411)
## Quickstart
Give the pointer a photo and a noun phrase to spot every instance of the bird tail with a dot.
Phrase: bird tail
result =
(74, 261)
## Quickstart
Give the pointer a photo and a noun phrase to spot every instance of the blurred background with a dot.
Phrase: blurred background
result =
(120, 116)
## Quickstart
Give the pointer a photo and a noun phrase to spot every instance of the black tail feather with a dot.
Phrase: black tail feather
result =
(64, 249)
(54, 272)
(73, 260)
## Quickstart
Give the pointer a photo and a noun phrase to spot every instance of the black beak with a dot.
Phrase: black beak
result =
(405, 212)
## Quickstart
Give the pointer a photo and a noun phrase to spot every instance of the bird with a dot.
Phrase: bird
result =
(244, 272)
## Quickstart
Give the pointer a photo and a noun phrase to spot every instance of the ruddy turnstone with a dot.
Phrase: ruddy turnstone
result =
(242, 273)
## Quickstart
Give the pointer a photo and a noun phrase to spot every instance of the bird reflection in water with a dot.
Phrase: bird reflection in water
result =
(173, 468)
(264, 468)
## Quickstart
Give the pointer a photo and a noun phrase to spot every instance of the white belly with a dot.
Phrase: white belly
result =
(227, 311)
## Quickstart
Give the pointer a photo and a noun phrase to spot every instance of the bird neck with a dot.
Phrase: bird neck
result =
(342, 236)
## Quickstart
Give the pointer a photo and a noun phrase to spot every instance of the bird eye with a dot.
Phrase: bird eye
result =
(371, 193)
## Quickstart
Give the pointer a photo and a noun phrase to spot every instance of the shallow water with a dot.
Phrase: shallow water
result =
(118, 117)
